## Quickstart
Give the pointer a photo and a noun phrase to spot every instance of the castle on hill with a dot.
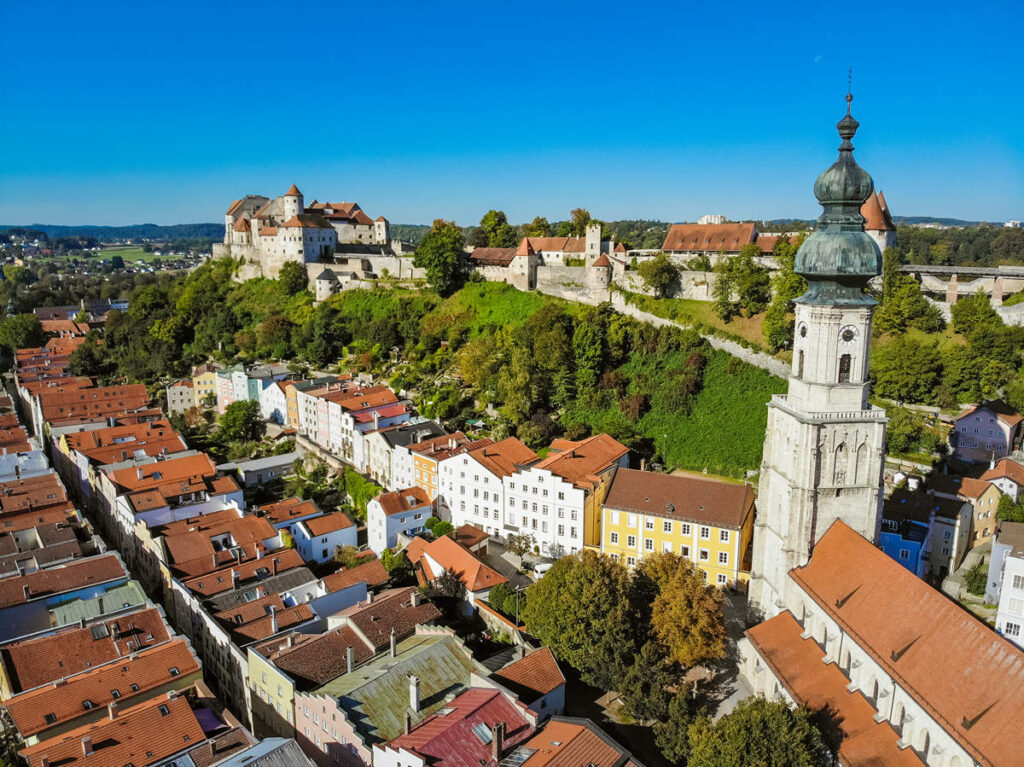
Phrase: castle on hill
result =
(266, 233)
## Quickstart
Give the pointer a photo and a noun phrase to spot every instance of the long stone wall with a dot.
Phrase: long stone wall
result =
(561, 277)
(697, 286)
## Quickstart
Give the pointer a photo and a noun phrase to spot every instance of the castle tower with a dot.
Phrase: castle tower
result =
(592, 243)
(825, 445)
(380, 231)
(292, 202)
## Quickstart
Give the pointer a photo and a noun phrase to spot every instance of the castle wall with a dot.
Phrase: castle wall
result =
(697, 286)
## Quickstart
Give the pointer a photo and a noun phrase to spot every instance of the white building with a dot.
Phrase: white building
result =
(379, 447)
(274, 401)
(558, 500)
(1007, 475)
(402, 511)
(180, 397)
(471, 484)
(985, 432)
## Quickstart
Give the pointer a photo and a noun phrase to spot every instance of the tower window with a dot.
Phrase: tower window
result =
(844, 369)
(800, 364)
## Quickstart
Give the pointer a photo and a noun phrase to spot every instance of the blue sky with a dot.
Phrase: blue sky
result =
(120, 113)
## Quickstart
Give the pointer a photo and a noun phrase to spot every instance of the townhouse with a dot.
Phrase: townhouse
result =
(419, 462)
(708, 521)
(381, 444)
(432, 560)
(402, 512)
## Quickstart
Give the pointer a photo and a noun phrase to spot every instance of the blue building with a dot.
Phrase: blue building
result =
(905, 540)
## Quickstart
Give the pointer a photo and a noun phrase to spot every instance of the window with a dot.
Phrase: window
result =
(631, 520)
(572, 532)
(844, 368)
(50, 718)
(666, 526)
(648, 544)
(685, 528)
(561, 530)
(1011, 629)
(723, 558)
(115, 694)
(945, 551)
(947, 535)
(723, 536)
(722, 579)
(614, 537)
(173, 671)
(630, 561)
(649, 524)
(1018, 581)
(666, 546)
(631, 541)
(705, 533)
(684, 551)
(904, 554)
(613, 517)
(561, 496)
(705, 555)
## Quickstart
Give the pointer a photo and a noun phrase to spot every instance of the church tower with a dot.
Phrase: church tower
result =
(824, 449)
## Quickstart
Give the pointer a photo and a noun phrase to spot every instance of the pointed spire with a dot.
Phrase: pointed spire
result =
(293, 191)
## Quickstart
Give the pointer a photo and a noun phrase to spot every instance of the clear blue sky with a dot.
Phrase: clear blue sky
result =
(120, 113)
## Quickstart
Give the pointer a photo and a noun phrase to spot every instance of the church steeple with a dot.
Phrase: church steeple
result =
(840, 257)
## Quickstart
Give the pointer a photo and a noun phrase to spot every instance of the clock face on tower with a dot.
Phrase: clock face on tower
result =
(848, 334)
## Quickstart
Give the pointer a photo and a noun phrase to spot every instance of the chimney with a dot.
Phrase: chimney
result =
(28, 593)
(414, 693)
(238, 555)
(138, 472)
(350, 655)
(273, 619)
(234, 578)
(376, 420)
(408, 722)
(415, 597)
(290, 641)
(273, 565)
(87, 746)
(369, 597)
(394, 644)
(497, 740)
(112, 709)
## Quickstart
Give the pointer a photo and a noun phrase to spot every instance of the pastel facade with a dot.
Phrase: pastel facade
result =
(985, 433)
(401, 512)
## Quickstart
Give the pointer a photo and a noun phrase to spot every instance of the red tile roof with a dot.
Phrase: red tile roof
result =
(1007, 469)
(391, 610)
(473, 572)
(288, 509)
(468, 535)
(533, 676)
(79, 404)
(447, 445)
(709, 237)
(372, 573)
(264, 627)
(573, 743)
(218, 581)
(1000, 409)
(800, 665)
(32, 662)
(602, 260)
(19, 589)
(293, 191)
(143, 734)
(876, 217)
(401, 501)
(68, 699)
(552, 245)
(493, 256)
(911, 630)
(184, 547)
(328, 523)
(687, 497)
(581, 462)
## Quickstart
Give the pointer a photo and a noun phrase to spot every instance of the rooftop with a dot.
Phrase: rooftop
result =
(56, 580)
(504, 458)
(709, 237)
(696, 499)
(581, 462)
(400, 610)
(532, 676)
(474, 573)
(401, 501)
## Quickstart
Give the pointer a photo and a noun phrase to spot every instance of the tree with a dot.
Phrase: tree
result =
(903, 431)
(787, 285)
(758, 732)
(672, 735)
(520, 544)
(687, 617)
(242, 421)
(499, 233)
(1009, 510)
(584, 609)
(976, 579)
(539, 227)
(753, 283)
(90, 358)
(659, 274)
(907, 370)
(643, 687)
(447, 585)
(293, 277)
(442, 528)
(973, 312)
(441, 254)
(20, 331)
(347, 556)
(890, 272)
(579, 218)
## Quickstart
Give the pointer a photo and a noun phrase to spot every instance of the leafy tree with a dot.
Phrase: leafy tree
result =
(659, 274)
(890, 272)
(441, 254)
(904, 306)
(701, 263)
(21, 331)
(520, 544)
(1009, 510)
(672, 735)
(644, 686)
(447, 585)
(588, 349)
(973, 312)
(741, 284)
(579, 219)
(907, 370)
(903, 431)
(347, 556)
(584, 609)
(242, 421)
(499, 233)
(758, 732)
(976, 579)
(787, 285)
(687, 617)
(443, 527)
(90, 358)
(293, 277)
(539, 227)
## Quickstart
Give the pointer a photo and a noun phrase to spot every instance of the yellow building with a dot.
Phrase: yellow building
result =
(273, 693)
(708, 521)
(204, 382)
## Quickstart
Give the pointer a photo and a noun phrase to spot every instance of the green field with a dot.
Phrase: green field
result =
(130, 255)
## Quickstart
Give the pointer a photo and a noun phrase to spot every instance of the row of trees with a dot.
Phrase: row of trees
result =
(984, 245)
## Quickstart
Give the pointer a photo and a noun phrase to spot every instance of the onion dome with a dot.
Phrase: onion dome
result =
(840, 257)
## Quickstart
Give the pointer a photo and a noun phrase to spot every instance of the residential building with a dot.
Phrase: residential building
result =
(562, 251)
(536, 681)
(180, 397)
(558, 499)
(470, 483)
(565, 740)
(428, 454)
(907, 540)
(686, 241)
(60, 407)
(204, 385)
(1009, 537)
(260, 471)
(380, 445)
(317, 538)
(431, 560)
(285, 513)
(986, 432)
(948, 521)
(983, 497)
(893, 660)
(708, 521)
(478, 727)
(1007, 475)
(274, 401)
(399, 512)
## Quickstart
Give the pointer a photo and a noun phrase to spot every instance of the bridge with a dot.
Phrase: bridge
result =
(949, 283)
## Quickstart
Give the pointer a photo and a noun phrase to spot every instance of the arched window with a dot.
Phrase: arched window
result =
(844, 368)
(839, 465)
(800, 364)
(861, 464)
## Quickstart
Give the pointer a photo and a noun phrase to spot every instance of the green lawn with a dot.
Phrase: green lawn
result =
(130, 255)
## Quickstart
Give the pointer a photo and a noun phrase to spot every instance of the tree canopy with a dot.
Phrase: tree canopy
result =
(659, 274)
(293, 277)
(242, 421)
(441, 254)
